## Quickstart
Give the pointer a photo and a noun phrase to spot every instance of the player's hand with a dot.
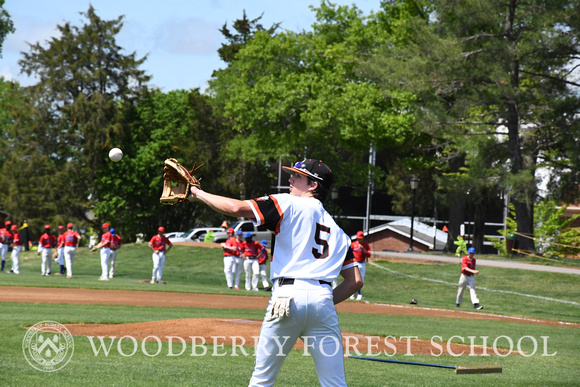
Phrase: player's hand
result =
(192, 193)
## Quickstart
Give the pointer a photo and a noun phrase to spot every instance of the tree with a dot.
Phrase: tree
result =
(299, 94)
(246, 30)
(503, 71)
(179, 125)
(79, 109)
(6, 24)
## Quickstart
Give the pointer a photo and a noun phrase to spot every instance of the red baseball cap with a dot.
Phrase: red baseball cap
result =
(14, 227)
(161, 229)
(70, 225)
(61, 227)
(47, 226)
(230, 230)
(105, 225)
(360, 234)
(8, 223)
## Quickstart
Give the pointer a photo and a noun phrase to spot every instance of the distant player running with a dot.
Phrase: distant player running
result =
(310, 252)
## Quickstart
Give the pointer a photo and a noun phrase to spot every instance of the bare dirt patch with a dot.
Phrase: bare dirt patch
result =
(244, 332)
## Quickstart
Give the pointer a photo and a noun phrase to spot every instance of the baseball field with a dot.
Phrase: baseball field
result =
(194, 331)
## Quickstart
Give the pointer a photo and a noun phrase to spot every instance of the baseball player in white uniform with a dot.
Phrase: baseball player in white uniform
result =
(310, 252)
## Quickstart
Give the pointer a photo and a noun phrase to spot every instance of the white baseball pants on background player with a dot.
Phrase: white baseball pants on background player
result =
(4, 250)
(70, 253)
(264, 276)
(158, 264)
(46, 266)
(312, 318)
(229, 269)
(252, 269)
(105, 256)
(60, 257)
(238, 270)
(467, 280)
(16, 259)
(112, 261)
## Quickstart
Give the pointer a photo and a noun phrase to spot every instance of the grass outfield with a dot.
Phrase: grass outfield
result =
(200, 270)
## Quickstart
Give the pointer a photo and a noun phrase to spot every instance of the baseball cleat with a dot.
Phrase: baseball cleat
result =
(359, 297)
(152, 280)
(103, 279)
(477, 306)
(457, 305)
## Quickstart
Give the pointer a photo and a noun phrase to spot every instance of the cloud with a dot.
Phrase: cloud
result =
(191, 36)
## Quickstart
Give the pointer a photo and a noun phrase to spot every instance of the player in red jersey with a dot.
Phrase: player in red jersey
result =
(105, 246)
(251, 249)
(230, 248)
(5, 241)
(362, 252)
(160, 245)
(116, 243)
(45, 245)
(16, 248)
(72, 239)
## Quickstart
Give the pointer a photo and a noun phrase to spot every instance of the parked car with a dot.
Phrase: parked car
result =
(173, 234)
(260, 232)
(196, 234)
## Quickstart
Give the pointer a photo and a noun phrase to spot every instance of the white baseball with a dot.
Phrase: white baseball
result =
(116, 154)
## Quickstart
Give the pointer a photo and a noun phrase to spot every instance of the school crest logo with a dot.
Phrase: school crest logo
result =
(48, 346)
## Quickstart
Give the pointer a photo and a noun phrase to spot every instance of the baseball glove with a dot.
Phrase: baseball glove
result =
(177, 181)
(55, 254)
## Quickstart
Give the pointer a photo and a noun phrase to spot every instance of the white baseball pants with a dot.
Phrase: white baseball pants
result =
(105, 256)
(112, 260)
(70, 253)
(158, 264)
(4, 250)
(229, 269)
(264, 275)
(313, 319)
(238, 270)
(252, 269)
(16, 259)
(467, 280)
(46, 266)
(60, 256)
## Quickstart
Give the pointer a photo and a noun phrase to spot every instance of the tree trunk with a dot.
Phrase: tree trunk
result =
(523, 195)
(456, 219)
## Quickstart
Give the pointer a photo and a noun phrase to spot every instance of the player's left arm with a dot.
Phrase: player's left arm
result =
(351, 284)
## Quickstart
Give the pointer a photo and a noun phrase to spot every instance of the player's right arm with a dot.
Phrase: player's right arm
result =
(222, 204)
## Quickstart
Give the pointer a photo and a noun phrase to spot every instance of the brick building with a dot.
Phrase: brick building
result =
(395, 236)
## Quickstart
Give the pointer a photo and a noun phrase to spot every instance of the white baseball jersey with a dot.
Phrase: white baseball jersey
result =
(309, 243)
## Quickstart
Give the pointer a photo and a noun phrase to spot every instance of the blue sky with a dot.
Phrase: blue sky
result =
(180, 37)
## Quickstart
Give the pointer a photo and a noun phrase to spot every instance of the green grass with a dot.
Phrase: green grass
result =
(547, 261)
(199, 270)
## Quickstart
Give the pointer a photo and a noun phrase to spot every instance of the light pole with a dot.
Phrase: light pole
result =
(414, 186)
(334, 197)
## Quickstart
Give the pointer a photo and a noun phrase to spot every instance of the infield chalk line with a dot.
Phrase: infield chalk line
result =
(482, 288)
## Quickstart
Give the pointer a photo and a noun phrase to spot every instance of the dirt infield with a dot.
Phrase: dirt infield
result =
(231, 329)
(192, 300)
(239, 332)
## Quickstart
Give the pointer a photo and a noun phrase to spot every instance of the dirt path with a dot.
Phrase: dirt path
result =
(150, 298)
